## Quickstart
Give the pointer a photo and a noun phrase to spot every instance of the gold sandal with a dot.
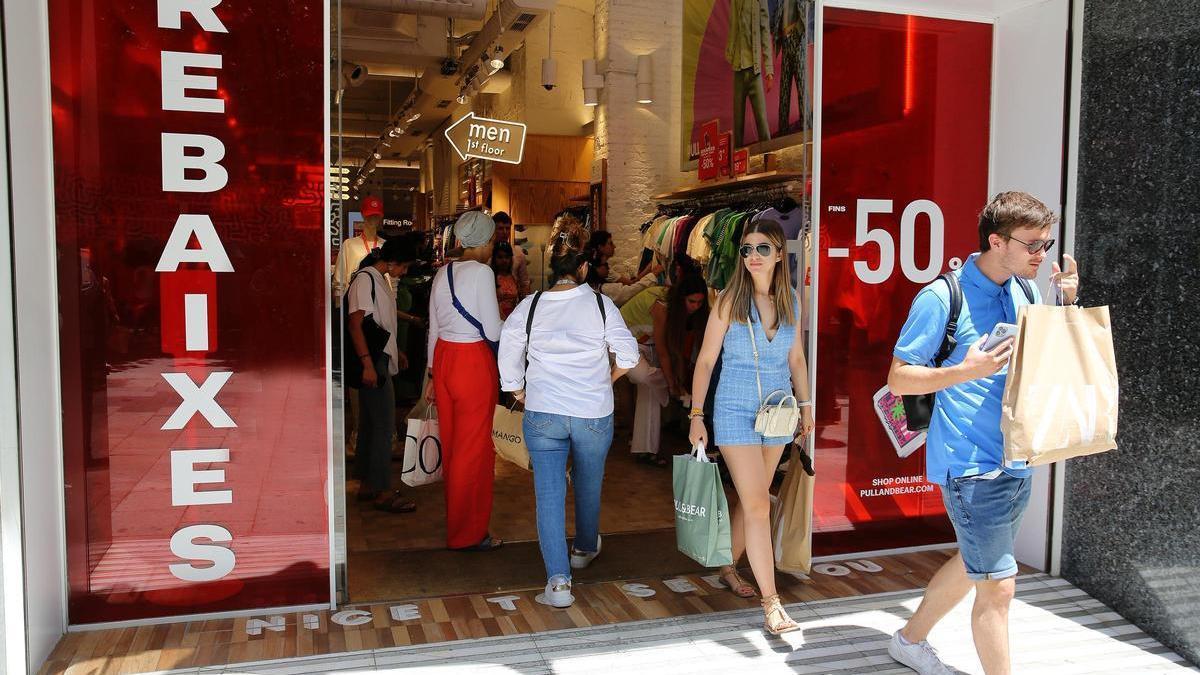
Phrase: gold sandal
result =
(739, 586)
(776, 619)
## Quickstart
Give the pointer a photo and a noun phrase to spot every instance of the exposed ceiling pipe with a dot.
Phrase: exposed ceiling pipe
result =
(463, 9)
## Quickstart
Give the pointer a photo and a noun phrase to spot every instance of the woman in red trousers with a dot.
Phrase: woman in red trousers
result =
(464, 329)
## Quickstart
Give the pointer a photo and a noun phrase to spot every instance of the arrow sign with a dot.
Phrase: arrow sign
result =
(483, 138)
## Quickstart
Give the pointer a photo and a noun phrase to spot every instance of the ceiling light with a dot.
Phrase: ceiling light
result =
(414, 118)
(462, 98)
(497, 61)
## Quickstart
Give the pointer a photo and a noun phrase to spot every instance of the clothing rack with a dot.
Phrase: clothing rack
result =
(736, 197)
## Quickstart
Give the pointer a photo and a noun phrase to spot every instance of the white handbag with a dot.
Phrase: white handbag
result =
(773, 420)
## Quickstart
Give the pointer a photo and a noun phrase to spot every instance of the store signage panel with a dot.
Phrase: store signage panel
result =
(904, 168)
(192, 276)
(483, 138)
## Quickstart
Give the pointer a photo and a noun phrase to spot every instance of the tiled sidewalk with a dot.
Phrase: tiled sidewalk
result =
(1056, 628)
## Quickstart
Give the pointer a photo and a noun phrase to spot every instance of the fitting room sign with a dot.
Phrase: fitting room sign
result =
(193, 277)
(483, 138)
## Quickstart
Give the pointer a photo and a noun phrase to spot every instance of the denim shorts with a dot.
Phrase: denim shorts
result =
(986, 514)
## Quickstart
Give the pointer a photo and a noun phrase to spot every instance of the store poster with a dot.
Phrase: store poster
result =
(748, 65)
(189, 169)
(904, 174)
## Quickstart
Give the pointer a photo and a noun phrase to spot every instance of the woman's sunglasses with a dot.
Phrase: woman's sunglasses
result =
(763, 250)
(1036, 246)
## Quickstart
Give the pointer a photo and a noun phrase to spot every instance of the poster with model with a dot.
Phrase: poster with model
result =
(748, 65)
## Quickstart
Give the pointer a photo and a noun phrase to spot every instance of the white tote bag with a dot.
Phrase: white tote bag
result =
(422, 449)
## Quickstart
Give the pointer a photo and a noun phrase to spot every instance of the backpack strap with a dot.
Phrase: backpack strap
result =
(529, 326)
(1026, 287)
(603, 314)
(949, 342)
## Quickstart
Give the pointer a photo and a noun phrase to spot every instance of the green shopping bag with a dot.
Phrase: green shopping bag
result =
(701, 511)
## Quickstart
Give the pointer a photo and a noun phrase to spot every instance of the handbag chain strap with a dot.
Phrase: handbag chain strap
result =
(754, 349)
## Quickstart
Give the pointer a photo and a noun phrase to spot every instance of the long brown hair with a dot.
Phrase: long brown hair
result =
(566, 249)
(737, 296)
(679, 323)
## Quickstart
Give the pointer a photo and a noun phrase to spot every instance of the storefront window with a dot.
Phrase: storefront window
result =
(192, 277)
(904, 170)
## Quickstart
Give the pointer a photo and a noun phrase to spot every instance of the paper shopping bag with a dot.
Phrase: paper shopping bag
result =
(1060, 400)
(508, 435)
(701, 510)
(422, 449)
(791, 525)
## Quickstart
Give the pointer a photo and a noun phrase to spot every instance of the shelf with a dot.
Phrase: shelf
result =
(580, 198)
(749, 180)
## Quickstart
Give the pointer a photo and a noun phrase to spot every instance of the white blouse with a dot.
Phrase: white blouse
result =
(475, 284)
(383, 308)
(569, 372)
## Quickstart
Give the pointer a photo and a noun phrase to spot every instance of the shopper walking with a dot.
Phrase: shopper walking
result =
(464, 327)
(554, 356)
(964, 453)
(508, 289)
(754, 331)
(371, 302)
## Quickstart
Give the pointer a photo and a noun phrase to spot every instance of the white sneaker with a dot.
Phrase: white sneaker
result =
(580, 559)
(558, 593)
(920, 656)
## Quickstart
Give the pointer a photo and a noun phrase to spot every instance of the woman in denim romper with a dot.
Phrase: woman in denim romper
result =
(760, 298)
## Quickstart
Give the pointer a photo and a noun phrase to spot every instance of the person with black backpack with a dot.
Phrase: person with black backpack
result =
(554, 357)
(940, 353)
(373, 358)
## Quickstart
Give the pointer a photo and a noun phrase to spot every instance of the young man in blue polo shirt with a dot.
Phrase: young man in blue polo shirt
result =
(965, 449)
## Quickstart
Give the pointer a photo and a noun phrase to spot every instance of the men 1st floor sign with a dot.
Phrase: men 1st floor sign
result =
(484, 138)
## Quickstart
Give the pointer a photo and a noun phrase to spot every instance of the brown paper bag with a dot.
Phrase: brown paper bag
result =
(1060, 400)
(508, 435)
(791, 523)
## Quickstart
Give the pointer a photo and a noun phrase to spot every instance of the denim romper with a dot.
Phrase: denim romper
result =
(737, 399)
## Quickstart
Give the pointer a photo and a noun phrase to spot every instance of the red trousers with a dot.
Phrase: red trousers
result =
(466, 385)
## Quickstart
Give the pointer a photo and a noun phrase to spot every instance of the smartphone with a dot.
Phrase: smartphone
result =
(999, 334)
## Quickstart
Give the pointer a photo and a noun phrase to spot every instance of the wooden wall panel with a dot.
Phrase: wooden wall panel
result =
(554, 169)
(536, 201)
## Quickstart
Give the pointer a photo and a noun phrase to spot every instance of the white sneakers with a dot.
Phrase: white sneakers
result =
(558, 593)
(920, 656)
(580, 559)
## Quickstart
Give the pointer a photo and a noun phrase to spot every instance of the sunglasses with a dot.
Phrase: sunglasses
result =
(1034, 247)
(763, 250)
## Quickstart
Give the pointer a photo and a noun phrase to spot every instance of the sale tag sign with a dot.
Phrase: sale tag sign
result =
(708, 150)
(741, 162)
(724, 143)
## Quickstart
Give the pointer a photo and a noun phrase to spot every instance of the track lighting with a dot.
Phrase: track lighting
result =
(497, 61)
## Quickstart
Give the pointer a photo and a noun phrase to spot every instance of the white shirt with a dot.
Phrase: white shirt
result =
(475, 284)
(350, 255)
(383, 309)
(569, 373)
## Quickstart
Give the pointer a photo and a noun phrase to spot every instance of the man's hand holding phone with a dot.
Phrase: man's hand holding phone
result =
(981, 363)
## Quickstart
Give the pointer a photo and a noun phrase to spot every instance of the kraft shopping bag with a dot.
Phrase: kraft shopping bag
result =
(422, 448)
(701, 510)
(508, 435)
(791, 523)
(1060, 400)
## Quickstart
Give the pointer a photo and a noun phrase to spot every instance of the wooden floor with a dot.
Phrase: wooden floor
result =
(432, 620)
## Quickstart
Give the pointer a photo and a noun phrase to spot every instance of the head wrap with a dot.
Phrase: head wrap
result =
(474, 228)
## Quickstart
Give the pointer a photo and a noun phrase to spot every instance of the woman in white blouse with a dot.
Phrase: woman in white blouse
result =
(464, 327)
(566, 334)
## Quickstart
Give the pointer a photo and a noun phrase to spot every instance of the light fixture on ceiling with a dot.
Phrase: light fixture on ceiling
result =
(645, 79)
(497, 61)
(376, 154)
(462, 98)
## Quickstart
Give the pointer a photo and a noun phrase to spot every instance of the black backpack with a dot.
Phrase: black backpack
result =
(918, 408)
(376, 336)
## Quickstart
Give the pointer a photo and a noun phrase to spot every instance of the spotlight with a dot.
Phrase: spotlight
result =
(497, 61)
(462, 99)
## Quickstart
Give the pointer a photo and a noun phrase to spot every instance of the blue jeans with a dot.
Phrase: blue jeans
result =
(986, 514)
(551, 439)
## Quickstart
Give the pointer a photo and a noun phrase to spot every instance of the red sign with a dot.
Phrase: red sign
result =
(708, 167)
(192, 284)
(724, 142)
(741, 162)
(904, 170)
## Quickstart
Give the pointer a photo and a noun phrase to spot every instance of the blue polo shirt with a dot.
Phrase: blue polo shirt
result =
(964, 434)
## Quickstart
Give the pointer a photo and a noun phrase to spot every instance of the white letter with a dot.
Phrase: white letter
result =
(211, 251)
(185, 477)
(639, 590)
(352, 617)
(176, 161)
(714, 581)
(405, 612)
(200, 399)
(176, 81)
(195, 321)
(312, 621)
(680, 585)
(831, 570)
(256, 626)
(170, 14)
(864, 566)
(183, 545)
(506, 602)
